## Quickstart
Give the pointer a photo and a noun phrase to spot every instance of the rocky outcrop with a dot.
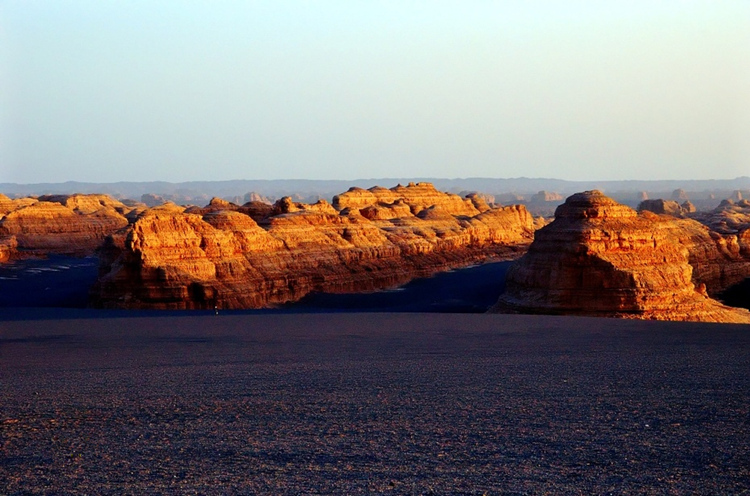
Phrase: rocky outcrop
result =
(8, 205)
(418, 196)
(252, 196)
(668, 207)
(602, 258)
(62, 224)
(680, 195)
(152, 200)
(478, 198)
(8, 248)
(728, 218)
(547, 196)
(172, 258)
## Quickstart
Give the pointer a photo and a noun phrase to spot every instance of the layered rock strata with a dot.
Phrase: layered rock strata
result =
(604, 259)
(62, 224)
(173, 258)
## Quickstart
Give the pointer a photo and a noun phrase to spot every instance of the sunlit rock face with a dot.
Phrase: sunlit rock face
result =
(235, 257)
(417, 196)
(59, 224)
(604, 259)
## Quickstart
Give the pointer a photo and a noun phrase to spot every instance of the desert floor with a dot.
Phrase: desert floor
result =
(352, 403)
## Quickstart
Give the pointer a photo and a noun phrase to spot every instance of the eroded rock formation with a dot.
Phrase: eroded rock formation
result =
(669, 207)
(719, 250)
(602, 258)
(61, 224)
(418, 196)
(367, 240)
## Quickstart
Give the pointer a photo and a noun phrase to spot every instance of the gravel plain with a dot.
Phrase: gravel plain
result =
(371, 404)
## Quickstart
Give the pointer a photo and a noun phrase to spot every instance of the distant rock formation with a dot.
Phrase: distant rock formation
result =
(367, 240)
(659, 206)
(680, 195)
(604, 259)
(152, 200)
(252, 196)
(479, 196)
(668, 207)
(418, 196)
(547, 196)
(60, 224)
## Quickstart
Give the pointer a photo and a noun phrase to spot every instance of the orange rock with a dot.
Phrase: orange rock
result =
(602, 258)
(69, 224)
(8, 248)
(172, 258)
(417, 196)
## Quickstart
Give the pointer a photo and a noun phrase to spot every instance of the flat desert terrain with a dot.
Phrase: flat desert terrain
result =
(370, 403)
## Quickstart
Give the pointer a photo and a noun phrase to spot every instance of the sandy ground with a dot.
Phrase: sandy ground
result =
(371, 404)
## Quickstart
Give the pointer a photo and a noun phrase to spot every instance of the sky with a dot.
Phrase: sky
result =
(219, 90)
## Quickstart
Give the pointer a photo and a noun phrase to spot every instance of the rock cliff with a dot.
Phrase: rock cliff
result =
(64, 224)
(602, 258)
(367, 240)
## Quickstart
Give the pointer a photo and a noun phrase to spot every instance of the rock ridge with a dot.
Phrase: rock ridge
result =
(230, 257)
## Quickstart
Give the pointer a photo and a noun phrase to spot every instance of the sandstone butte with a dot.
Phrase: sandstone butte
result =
(256, 255)
(601, 258)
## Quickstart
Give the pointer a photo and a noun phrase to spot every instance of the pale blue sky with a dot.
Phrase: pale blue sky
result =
(188, 90)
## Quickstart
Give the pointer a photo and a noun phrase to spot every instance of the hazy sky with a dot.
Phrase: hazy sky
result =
(190, 90)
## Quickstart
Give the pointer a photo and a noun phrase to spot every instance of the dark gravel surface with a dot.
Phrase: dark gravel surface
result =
(372, 404)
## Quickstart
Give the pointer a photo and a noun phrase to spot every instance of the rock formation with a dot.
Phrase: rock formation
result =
(680, 195)
(418, 196)
(668, 207)
(8, 248)
(367, 240)
(152, 200)
(8, 205)
(604, 259)
(547, 196)
(252, 196)
(61, 224)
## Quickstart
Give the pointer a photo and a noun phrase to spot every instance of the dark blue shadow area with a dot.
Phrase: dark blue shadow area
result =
(56, 281)
(737, 295)
(468, 290)
(58, 287)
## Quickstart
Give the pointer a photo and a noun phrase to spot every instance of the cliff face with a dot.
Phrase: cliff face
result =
(172, 258)
(70, 224)
(602, 258)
